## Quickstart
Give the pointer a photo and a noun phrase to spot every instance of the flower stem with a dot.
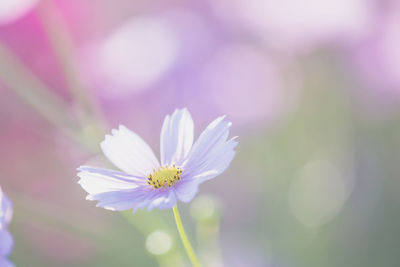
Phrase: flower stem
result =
(184, 238)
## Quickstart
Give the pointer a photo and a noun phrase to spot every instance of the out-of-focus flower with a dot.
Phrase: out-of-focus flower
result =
(6, 263)
(146, 51)
(240, 76)
(6, 243)
(146, 183)
(6, 240)
(196, 36)
(11, 10)
(297, 24)
(377, 58)
(5, 210)
(134, 56)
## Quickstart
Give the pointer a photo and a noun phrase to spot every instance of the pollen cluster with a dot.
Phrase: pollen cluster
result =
(164, 176)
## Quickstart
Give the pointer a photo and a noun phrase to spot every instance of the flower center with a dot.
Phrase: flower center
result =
(164, 176)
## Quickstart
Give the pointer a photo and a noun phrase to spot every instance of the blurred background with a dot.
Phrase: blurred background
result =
(312, 88)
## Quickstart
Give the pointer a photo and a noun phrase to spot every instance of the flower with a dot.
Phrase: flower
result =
(6, 240)
(249, 69)
(5, 210)
(119, 62)
(5, 263)
(147, 183)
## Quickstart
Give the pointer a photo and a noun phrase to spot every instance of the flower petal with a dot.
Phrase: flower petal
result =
(6, 263)
(6, 243)
(217, 162)
(5, 210)
(185, 190)
(129, 152)
(164, 199)
(97, 180)
(176, 137)
(122, 199)
(212, 153)
(119, 191)
(135, 199)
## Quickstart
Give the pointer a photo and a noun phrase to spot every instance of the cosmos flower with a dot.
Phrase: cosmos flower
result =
(6, 240)
(145, 182)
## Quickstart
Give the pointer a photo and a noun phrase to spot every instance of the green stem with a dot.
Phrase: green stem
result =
(184, 238)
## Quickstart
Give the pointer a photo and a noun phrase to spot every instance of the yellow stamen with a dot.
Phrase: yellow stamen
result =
(164, 176)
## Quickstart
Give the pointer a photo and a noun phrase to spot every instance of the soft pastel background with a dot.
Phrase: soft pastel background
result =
(312, 88)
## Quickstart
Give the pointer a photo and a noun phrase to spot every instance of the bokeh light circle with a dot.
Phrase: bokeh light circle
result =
(318, 194)
(158, 242)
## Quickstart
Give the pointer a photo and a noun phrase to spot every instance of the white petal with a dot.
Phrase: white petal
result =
(176, 137)
(164, 200)
(216, 162)
(96, 180)
(210, 140)
(186, 189)
(211, 154)
(129, 152)
(123, 199)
